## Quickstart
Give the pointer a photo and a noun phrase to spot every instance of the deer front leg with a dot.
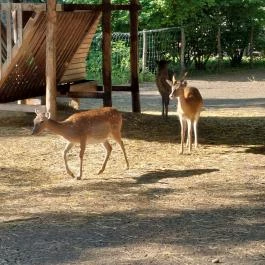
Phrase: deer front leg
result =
(108, 149)
(182, 134)
(117, 137)
(189, 135)
(195, 133)
(81, 156)
(66, 150)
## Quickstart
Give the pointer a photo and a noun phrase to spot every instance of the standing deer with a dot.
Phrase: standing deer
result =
(190, 104)
(87, 127)
(162, 85)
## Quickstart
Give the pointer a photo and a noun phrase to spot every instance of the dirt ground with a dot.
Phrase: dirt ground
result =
(201, 208)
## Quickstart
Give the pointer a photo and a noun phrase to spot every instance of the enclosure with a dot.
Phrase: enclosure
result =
(198, 208)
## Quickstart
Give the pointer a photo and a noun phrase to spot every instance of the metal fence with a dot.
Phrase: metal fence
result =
(153, 45)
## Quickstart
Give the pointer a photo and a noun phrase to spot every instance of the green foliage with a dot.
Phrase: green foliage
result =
(201, 20)
(120, 62)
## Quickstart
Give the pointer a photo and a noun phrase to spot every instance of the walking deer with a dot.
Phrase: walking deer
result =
(190, 104)
(163, 87)
(87, 127)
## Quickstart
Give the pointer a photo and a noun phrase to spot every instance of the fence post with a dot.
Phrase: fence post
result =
(182, 50)
(144, 55)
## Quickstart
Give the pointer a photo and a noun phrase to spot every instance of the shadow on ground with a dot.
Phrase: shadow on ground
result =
(147, 127)
(155, 176)
(212, 130)
(58, 238)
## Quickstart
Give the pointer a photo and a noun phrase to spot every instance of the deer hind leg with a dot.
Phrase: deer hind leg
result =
(66, 150)
(117, 138)
(189, 138)
(81, 156)
(182, 133)
(166, 105)
(163, 106)
(108, 149)
(195, 123)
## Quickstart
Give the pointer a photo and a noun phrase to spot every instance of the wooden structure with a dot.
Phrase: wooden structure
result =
(44, 47)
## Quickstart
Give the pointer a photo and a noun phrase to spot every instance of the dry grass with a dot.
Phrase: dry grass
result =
(167, 209)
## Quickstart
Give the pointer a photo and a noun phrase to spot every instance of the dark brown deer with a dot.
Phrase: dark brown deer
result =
(163, 87)
(87, 127)
(190, 104)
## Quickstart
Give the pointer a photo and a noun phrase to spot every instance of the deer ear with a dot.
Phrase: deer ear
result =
(174, 79)
(169, 82)
(48, 115)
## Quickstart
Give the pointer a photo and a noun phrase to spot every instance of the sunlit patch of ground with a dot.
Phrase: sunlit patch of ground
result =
(166, 209)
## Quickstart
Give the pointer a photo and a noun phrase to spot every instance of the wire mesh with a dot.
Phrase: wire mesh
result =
(152, 45)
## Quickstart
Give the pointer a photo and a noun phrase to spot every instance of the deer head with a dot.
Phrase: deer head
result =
(40, 121)
(177, 86)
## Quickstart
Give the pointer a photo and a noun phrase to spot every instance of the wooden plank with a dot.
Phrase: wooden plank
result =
(22, 107)
(51, 58)
(39, 7)
(24, 6)
(20, 25)
(8, 34)
(75, 71)
(117, 88)
(73, 78)
(77, 60)
(97, 94)
(99, 7)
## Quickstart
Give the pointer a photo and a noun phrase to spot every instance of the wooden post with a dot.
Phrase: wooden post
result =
(134, 56)
(19, 25)
(51, 58)
(8, 34)
(106, 52)
(0, 48)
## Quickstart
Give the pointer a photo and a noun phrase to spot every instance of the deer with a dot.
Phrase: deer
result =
(189, 107)
(163, 87)
(86, 127)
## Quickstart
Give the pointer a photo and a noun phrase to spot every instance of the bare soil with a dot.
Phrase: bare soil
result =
(200, 208)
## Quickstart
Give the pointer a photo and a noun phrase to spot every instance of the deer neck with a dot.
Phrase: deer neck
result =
(55, 127)
(182, 103)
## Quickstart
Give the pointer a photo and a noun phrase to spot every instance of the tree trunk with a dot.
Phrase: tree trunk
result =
(251, 46)
(219, 48)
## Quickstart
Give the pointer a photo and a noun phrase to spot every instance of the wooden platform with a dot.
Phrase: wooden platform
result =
(24, 77)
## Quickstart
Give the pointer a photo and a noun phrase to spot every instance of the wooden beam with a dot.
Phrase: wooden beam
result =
(67, 7)
(22, 107)
(134, 57)
(51, 58)
(24, 6)
(106, 52)
(99, 7)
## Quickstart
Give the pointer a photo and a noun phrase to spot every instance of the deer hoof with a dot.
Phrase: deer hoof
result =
(78, 178)
(71, 174)
(100, 171)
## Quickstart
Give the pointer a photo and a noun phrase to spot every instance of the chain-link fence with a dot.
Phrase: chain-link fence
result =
(153, 45)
